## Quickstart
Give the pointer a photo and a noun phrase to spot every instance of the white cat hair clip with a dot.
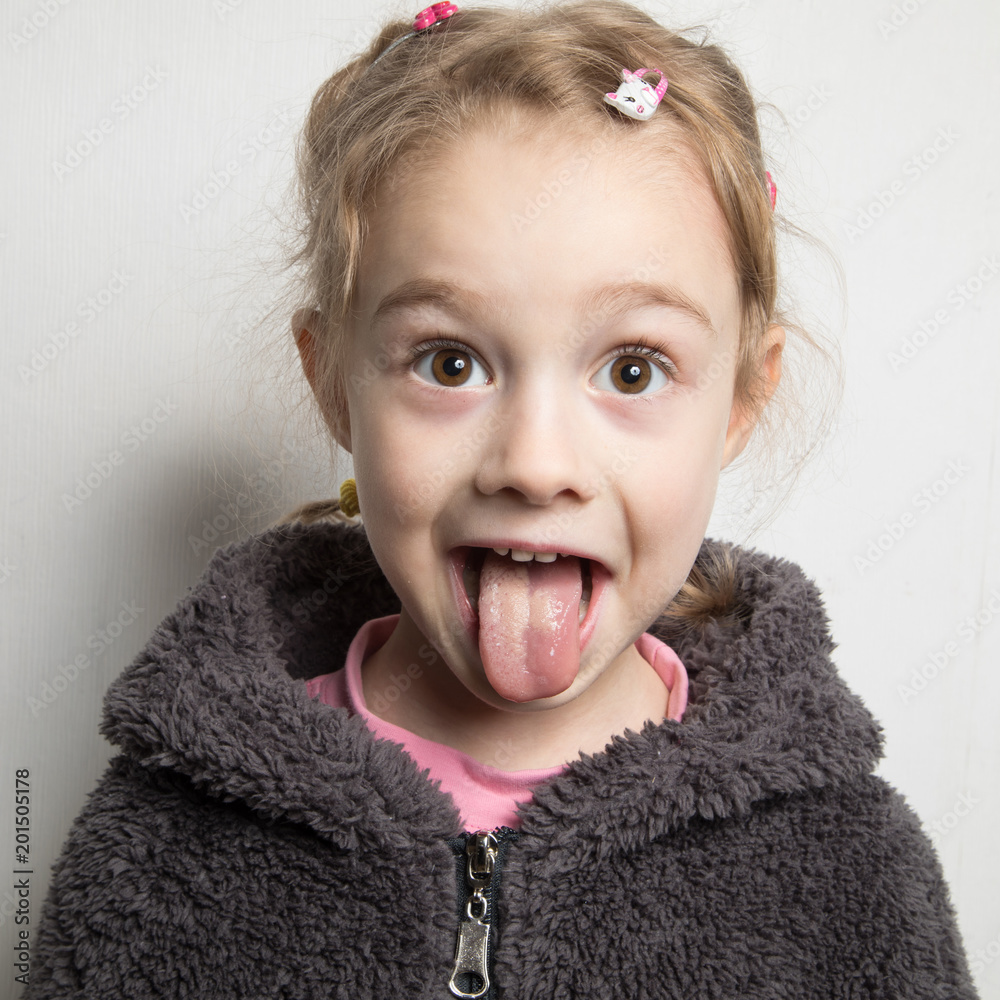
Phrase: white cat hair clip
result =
(635, 97)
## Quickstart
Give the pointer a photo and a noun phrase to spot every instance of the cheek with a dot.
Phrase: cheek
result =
(406, 465)
(667, 533)
(390, 466)
(675, 499)
(712, 404)
(694, 436)
(672, 487)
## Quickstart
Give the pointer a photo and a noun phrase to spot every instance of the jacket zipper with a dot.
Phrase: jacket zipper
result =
(480, 856)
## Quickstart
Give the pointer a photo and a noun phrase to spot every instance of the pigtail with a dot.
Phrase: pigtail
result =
(709, 594)
(314, 511)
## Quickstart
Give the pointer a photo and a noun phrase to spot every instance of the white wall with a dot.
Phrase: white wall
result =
(867, 88)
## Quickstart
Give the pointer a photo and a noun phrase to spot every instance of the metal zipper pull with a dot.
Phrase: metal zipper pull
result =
(472, 946)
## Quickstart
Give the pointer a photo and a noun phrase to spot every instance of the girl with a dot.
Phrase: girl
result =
(550, 741)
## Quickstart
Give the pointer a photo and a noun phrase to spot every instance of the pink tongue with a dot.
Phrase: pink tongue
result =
(529, 635)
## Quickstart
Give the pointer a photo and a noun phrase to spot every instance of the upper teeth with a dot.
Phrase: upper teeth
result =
(523, 555)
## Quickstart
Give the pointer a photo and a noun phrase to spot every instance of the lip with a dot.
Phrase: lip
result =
(600, 576)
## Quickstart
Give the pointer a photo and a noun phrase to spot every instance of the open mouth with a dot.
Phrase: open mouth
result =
(472, 558)
(529, 614)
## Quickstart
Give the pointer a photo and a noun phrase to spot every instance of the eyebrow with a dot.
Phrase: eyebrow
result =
(428, 292)
(620, 297)
(608, 300)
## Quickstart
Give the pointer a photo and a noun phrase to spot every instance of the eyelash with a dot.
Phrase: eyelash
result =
(654, 353)
(440, 344)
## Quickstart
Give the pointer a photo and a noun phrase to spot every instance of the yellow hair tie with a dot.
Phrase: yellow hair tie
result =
(349, 498)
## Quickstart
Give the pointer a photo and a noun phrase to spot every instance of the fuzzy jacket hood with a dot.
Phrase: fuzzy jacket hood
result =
(218, 695)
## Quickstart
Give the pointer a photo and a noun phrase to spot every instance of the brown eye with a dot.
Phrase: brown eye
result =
(451, 367)
(631, 374)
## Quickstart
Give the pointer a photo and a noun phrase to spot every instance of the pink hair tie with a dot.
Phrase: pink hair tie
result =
(772, 189)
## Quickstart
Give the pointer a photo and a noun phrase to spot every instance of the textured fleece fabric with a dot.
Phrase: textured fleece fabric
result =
(486, 796)
(250, 842)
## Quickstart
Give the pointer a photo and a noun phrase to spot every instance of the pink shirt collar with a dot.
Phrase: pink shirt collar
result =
(486, 795)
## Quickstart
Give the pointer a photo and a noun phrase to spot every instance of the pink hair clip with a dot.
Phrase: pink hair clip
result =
(772, 189)
(635, 97)
(429, 16)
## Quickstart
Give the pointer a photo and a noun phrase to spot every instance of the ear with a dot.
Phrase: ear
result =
(742, 421)
(307, 329)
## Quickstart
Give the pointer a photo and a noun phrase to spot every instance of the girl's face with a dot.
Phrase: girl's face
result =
(541, 359)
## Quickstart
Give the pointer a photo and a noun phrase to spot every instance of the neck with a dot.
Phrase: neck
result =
(437, 706)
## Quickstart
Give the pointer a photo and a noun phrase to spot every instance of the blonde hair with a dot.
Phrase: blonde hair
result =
(386, 110)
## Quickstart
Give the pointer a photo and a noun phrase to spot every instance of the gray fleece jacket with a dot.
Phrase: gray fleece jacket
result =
(250, 842)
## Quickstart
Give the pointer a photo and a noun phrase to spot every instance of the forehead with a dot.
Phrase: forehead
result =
(514, 204)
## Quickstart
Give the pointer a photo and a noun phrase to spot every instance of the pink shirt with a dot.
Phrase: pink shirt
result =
(485, 796)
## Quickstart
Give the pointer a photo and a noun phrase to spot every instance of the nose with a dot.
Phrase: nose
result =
(538, 450)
